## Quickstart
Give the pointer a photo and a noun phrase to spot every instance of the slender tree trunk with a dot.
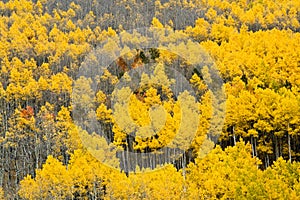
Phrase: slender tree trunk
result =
(167, 156)
(150, 161)
(234, 138)
(184, 173)
(289, 144)
(160, 161)
(276, 147)
(2, 166)
(267, 164)
(136, 161)
(154, 159)
(95, 189)
(174, 156)
(16, 172)
(36, 150)
(280, 147)
(127, 159)
(124, 160)
(142, 161)
(255, 151)
(252, 144)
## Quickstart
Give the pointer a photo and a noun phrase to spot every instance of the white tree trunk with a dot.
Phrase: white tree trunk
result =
(289, 143)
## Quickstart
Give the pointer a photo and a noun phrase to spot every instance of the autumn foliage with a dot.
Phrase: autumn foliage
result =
(45, 154)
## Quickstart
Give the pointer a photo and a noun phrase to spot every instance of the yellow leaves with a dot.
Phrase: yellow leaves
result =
(211, 14)
(143, 112)
(61, 83)
(107, 76)
(104, 114)
(100, 97)
(138, 111)
(54, 32)
(119, 136)
(2, 91)
(41, 51)
(77, 35)
(157, 116)
(39, 8)
(43, 84)
(270, 19)
(83, 94)
(84, 176)
(231, 173)
(200, 31)
(71, 13)
(121, 114)
(253, 132)
(166, 183)
(64, 118)
(186, 120)
(133, 39)
(160, 77)
(149, 117)
(280, 177)
(67, 136)
(221, 32)
(127, 53)
(70, 25)
(84, 170)
(167, 56)
(29, 188)
(98, 150)
(22, 84)
(110, 33)
(244, 52)
(156, 23)
(50, 182)
(112, 48)
(20, 7)
(154, 120)
(152, 97)
(22, 126)
(1, 193)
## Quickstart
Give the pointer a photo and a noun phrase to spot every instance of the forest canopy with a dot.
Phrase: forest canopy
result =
(218, 84)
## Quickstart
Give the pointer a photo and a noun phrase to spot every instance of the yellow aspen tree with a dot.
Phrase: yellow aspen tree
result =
(52, 181)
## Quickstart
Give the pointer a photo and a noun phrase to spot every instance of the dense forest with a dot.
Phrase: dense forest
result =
(152, 99)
